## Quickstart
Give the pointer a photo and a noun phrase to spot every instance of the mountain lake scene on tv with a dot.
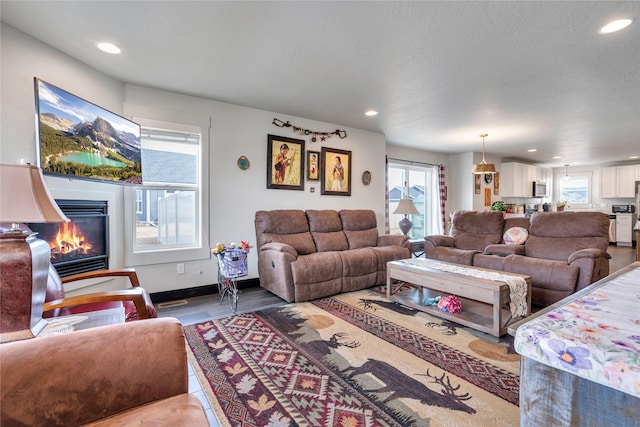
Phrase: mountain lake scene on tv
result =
(81, 139)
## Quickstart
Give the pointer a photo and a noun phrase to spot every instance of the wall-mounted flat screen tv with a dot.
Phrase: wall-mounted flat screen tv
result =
(80, 139)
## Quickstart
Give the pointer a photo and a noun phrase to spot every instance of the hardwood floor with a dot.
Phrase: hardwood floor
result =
(203, 308)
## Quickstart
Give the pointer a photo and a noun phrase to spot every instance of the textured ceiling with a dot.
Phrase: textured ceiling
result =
(530, 74)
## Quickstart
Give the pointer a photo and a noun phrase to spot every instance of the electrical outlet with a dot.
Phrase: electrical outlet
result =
(180, 268)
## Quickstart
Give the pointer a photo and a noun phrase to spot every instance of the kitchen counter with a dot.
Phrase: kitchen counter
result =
(579, 356)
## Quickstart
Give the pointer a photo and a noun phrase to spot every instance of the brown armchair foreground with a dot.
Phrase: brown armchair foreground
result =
(136, 301)
(84, 377)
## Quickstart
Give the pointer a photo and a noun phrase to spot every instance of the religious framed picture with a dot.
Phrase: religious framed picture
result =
(285, 163)
(335, 172)
(313, 165)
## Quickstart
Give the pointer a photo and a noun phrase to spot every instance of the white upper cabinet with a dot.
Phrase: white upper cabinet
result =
(516, 179)
(619, 181)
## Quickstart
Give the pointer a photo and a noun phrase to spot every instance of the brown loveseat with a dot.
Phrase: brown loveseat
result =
(564, 251)
(304, 255)
(130, 374)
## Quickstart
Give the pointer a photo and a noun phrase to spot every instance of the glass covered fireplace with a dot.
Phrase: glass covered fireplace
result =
(82, 244)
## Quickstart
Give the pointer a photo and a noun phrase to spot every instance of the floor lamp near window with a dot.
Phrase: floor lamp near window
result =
(405, 207)
(24, 259)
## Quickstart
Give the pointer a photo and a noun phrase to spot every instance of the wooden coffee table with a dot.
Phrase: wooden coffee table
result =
(485, 303)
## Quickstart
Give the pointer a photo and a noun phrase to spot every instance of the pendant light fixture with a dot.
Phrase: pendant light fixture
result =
(483, 167)
(566, 172)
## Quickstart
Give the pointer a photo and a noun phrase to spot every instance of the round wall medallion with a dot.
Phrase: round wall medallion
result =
(243, 163)
(366, 177)
(488, 177)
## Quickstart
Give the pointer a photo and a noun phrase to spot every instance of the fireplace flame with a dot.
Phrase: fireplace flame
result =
(70, 240)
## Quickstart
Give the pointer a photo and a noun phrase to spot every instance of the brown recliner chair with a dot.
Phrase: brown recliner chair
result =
(470, 234)
(135, 300)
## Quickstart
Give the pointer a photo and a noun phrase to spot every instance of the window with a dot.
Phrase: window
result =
(575, 188)
(168, 215)
(418, 183)
(166, 212)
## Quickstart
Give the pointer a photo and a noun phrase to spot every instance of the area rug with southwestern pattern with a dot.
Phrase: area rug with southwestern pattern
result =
(353, 360)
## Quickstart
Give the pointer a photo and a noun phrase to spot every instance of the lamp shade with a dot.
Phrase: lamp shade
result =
(482, 168)
(24, 196)
(406, 207)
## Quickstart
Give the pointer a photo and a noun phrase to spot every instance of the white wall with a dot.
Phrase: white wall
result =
(235, 195)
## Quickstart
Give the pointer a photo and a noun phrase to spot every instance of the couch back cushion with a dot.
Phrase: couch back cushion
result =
(476, 230)
(556, 235)
(284, 226)
(326, 230)
(360, 227)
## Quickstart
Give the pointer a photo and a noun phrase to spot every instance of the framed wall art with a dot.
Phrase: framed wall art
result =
(335, 172)
(285, 163)
(476, 183)
(487, 196)
(366, 177)
(496, 184)
(313, 165)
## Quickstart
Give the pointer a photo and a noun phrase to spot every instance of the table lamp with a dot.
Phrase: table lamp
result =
(24, 259)
(405, 207)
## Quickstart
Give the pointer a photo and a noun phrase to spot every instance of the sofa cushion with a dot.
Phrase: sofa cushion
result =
(360, 227)
(326, 230)
(515, 236)
(553, 280)
(359, 269)
(556, 236)
(284, 226)
(475, 230)
(317, 275)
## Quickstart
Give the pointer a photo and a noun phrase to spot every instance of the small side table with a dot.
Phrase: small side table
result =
(416, 246)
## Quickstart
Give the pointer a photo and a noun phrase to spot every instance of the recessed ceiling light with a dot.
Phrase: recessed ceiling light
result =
(371, 113)
(532, 150)
(556, 157)
(634, 157)
(614, 26)
(109, 48)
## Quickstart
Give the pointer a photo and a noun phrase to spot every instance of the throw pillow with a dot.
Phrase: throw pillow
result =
(515, 236)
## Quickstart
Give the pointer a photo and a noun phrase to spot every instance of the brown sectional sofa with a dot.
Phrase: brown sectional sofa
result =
(564, 252)
(304, 255)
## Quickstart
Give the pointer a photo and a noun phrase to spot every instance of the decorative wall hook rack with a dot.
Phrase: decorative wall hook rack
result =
(342, 134)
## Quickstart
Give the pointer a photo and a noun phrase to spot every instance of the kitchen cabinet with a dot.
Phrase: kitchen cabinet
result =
(624, 229)
(516, 179)
(619, 181)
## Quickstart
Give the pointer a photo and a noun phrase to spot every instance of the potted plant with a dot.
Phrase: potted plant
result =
(561, 204)
(499, 206)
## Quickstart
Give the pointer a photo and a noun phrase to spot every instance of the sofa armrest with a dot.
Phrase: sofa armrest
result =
(504, 250)
(83, 376)
(279, 247)
(393, 239)
(588, 253)
(439, 240)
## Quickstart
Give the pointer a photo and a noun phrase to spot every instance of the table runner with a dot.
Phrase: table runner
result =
(595, 336)
(517, 285)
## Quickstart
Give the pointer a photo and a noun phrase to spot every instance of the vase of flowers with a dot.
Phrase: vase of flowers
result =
(561, 204)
